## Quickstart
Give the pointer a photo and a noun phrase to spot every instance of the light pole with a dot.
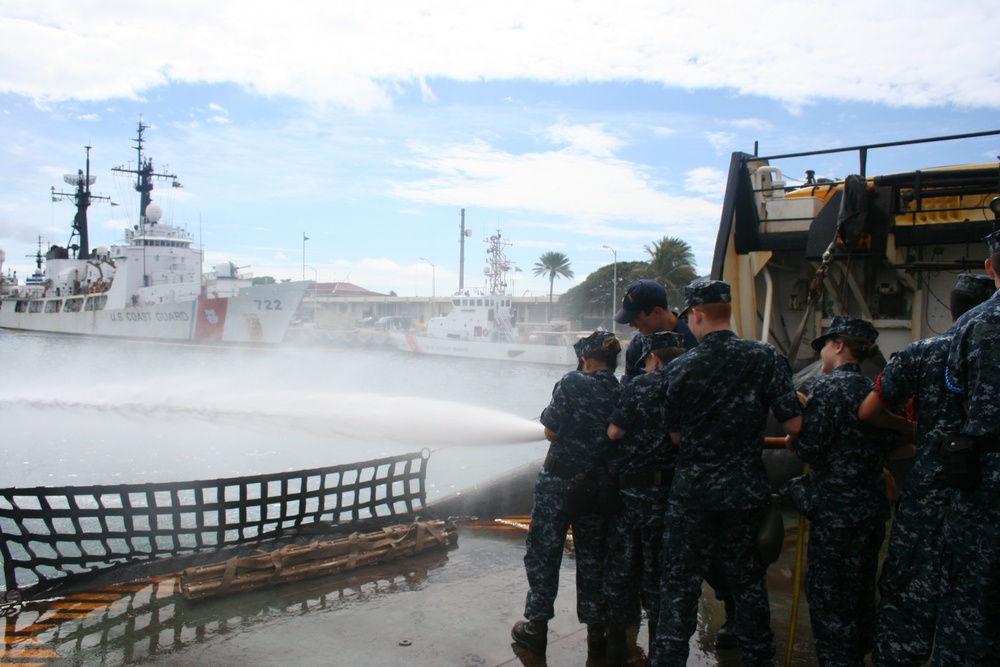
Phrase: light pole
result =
(304, 239)
(614, 288)
(315, 276)
(433, 286)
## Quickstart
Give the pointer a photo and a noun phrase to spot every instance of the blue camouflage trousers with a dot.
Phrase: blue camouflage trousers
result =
(689, 539)
(840, 587)
(909, 586)
(632, 574)
(544, 549)
(968, 629)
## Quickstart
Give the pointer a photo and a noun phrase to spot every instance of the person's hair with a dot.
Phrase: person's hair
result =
(860, 348)
(961, 302)
(668, 354)
(716, 311)
(607, 355)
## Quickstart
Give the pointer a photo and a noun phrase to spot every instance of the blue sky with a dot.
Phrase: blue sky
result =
(368, 126)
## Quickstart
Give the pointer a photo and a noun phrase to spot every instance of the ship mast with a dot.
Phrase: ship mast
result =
(496, 270)
(82, 198)
(144, 175)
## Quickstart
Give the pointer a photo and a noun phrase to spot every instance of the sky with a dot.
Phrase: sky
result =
(583, 127)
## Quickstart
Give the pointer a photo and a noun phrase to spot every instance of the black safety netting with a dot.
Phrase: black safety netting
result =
(53, 535)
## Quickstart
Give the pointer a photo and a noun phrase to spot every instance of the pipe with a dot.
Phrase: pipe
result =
(768, 302)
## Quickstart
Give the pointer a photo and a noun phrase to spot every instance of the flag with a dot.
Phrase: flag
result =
(177, 184)
(305, 238)
(114, 204)
(56, 199)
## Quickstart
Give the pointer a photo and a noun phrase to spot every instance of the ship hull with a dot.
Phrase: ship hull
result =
(559, 355)
(257, 314)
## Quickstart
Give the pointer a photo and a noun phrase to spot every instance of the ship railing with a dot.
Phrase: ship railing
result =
(54, 538)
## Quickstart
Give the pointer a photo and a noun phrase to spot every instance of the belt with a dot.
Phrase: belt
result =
(559, 469)
(645, 478)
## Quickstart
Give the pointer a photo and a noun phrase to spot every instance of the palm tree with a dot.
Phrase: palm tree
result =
(672, 262)
(555, 264)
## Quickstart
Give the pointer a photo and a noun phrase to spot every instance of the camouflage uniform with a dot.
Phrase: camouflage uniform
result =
(717, 399)
(579, 410)
(968, 629)
(909, 585)
(644, 462)
(845, 501)
(633, 353)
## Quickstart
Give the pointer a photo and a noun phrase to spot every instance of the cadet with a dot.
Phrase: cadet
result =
(968, 629)
(576, 423)
(909, 584)
(716, 406)
(843, 496)
(644, 462)
(644, 308)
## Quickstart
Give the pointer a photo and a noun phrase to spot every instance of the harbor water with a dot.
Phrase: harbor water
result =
(83, 412)
(89, 411)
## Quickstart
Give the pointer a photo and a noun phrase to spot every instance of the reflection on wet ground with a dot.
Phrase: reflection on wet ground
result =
(452, 607)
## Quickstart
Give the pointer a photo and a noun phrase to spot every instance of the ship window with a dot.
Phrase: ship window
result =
(73, 305)
(52, 306)
(35, 306)
(96, 302)
(489, 315)
(21, 307)
(479, 302)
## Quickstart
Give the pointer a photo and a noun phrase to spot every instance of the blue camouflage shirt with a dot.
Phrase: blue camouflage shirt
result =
(845, 455)
(972, 373)
(718, 396)
(639, 412)
(634, 351)
(918, 370)
(579, 410)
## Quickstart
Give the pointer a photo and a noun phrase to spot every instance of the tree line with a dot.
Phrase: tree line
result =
(670, 263)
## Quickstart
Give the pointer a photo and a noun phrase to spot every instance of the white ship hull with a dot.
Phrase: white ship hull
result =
(560, 355)
(256, 314)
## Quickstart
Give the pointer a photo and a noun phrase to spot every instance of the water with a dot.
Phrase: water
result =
(86, 411)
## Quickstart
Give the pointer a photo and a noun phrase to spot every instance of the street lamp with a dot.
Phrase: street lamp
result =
(315, 276)
(304, 239)
(433, 286)
(614, 288)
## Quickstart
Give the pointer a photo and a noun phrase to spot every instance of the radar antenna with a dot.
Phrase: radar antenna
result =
(145, 173)
(82, 197)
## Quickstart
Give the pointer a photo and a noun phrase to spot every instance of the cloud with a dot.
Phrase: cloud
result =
(582, 183)
(362, 55)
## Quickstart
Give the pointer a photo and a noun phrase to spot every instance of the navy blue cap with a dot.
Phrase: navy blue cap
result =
(993, 242)
(978, 284)
(848, 326)
(641, 297)
(702, 292)
(658, 341)
(595, 341)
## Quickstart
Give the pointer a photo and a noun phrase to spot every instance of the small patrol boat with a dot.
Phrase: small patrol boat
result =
(149, 286)
(483, 324)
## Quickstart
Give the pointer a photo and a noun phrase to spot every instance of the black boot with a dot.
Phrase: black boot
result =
(531, 635)
(597, 641)
(726, 638)
(617, 652)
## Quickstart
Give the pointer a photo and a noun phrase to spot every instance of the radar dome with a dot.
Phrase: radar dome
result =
(154, 213)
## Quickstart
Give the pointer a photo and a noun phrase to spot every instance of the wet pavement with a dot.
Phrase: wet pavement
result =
(453, 607)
